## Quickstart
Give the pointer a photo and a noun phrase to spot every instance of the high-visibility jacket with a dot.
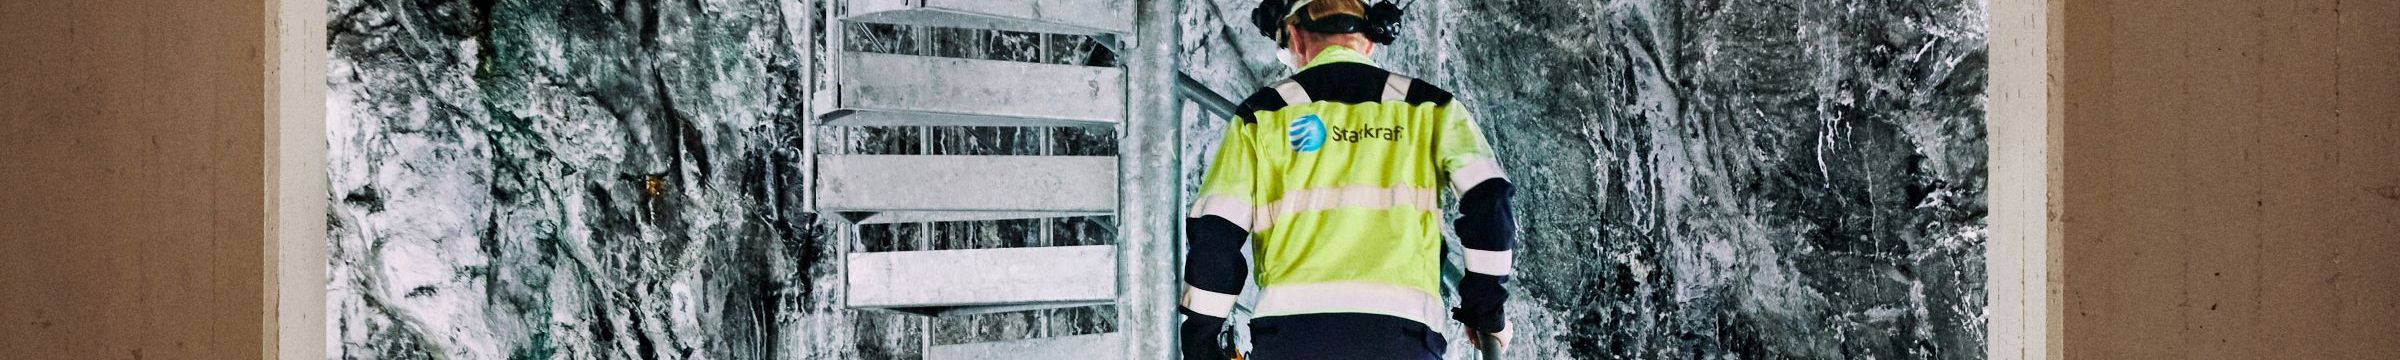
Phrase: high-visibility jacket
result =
(1335, 174)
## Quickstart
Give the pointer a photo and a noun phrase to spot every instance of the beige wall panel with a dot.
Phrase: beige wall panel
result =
(132, 176)
(2218, 164)
(2292, 260)
(2221, 168)
(2367, 221)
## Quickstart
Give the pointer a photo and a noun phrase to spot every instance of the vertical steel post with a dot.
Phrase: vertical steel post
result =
(799, 26)
(1148, 150)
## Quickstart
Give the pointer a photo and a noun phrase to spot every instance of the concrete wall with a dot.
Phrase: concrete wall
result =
(296, 182)
(2229, 178)
(138, 141)
(2022, 120)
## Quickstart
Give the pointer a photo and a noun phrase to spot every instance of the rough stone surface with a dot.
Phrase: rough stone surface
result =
(622, 179)
(1738, 179)
(571, 179)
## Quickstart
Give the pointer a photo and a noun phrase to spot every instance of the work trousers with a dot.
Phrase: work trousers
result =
(1343, 336)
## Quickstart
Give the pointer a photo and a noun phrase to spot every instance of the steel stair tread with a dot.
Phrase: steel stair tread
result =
(878, 89)
(951, 183)
(1090, 346)
(1081, 17)
(1057, 276)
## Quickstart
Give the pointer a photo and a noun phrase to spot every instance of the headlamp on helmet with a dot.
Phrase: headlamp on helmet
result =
(1379, 23)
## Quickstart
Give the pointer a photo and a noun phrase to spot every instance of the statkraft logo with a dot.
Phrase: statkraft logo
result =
(1364, 133)
(1309, 133)
(1306, 133)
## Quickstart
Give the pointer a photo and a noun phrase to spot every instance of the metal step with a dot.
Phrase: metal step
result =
(982, 280)
(1005, 183)
(894, 217)
(1081, 17)
(941, 311)
(1093, 346)
(909, 90)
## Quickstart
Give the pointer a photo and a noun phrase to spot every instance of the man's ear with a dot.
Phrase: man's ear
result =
(1291, 37)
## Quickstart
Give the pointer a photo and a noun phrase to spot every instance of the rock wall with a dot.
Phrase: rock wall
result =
(572, 179)
(1738, 178)
(614, 180)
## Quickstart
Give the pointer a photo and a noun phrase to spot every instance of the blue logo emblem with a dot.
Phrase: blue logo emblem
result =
(1307, 133)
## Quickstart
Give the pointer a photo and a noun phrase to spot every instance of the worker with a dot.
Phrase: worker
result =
(1334, 174)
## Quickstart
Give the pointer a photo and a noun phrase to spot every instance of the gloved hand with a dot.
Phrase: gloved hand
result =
(1478, 321)
(1203, 337)
(1499, 341)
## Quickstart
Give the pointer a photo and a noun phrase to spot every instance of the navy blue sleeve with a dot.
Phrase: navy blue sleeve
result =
(1214, 265)
(1485, 224)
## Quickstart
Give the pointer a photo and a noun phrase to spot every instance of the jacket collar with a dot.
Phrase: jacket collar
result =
(1338, 54)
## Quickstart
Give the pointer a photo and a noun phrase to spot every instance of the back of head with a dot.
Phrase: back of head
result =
(1378, 22)
(1327, 13)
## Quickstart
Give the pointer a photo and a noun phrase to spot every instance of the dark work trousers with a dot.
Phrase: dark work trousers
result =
(1343, 336)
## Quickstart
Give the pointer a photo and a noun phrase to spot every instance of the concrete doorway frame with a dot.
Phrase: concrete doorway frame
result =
(296, 180)
(2022, 316)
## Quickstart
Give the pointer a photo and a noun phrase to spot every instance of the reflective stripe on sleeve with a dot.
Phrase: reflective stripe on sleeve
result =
(1233, 209)
(1207, 302)
(1352, 297)
(1475, 172)
(1494, 263)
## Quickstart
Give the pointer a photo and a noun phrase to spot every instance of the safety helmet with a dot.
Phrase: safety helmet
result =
(1379, 23)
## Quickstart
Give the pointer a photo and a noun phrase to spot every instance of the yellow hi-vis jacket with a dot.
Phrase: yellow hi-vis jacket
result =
(1334, 174)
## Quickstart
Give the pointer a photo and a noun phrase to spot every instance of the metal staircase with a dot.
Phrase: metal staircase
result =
(1140, 185)
(1078, 17)
(887, 89)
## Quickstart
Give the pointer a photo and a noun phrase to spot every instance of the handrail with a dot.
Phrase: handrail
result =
(1189, 88)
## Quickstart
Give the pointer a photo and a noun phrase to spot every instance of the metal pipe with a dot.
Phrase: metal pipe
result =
(1151, 182)
(1191, 88)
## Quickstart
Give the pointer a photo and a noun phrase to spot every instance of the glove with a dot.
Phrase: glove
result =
(1202, 336)
(1499, 341)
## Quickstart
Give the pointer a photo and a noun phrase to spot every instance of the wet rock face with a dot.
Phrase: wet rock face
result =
(1737, 179)
(574, 179)
(580, 179)
(569, 179)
